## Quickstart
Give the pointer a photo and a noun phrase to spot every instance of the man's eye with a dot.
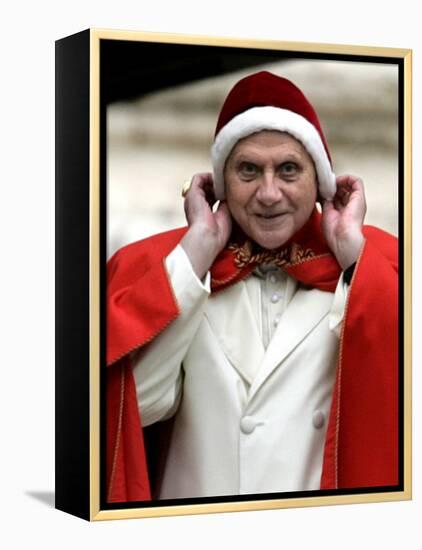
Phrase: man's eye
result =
(289, 168)
(248, 169)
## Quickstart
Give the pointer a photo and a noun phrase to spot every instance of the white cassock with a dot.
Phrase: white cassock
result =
(249, 373)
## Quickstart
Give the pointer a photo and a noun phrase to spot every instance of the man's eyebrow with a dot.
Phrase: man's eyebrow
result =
(250, 157)
(255, 158)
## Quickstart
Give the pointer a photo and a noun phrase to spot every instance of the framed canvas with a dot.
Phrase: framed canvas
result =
(135, 119)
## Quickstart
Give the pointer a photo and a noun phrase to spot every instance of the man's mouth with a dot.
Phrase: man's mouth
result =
(270, 216)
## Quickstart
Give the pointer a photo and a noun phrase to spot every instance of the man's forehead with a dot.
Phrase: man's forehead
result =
(268, 142)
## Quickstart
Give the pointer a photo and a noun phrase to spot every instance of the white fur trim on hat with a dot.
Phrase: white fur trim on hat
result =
(272, 118)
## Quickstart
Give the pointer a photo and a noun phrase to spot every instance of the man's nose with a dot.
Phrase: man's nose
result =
(269, 190)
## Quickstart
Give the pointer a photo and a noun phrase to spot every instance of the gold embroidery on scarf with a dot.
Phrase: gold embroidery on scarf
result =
(291, 255)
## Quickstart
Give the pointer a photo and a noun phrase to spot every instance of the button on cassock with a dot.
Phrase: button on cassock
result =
(318, 419)
(247, 424)
(276, 320)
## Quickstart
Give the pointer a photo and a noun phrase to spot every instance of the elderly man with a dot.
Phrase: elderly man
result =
(261, 328)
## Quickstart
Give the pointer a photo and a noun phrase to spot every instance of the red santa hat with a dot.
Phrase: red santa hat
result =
(264, 101)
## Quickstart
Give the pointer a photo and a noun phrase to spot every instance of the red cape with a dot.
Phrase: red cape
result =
(361, 447)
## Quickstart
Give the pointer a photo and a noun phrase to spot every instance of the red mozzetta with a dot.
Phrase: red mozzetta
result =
(361, 448)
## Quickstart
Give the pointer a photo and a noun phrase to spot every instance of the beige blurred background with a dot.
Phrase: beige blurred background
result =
(159, 141)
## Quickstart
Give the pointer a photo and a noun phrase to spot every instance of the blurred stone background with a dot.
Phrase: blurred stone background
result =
(157, 142)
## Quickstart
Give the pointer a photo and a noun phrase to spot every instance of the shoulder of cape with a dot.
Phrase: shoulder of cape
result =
(134, 259)
(386, 243)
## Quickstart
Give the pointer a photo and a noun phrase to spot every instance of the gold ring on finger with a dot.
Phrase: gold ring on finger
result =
(186, 187)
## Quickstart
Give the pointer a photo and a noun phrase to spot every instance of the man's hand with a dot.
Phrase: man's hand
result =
(342, 220)
(208, 231)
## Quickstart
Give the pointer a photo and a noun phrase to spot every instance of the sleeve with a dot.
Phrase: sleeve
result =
(157, 366)
(140, 300)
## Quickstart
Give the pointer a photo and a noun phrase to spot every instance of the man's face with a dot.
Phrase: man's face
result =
(271, 186)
